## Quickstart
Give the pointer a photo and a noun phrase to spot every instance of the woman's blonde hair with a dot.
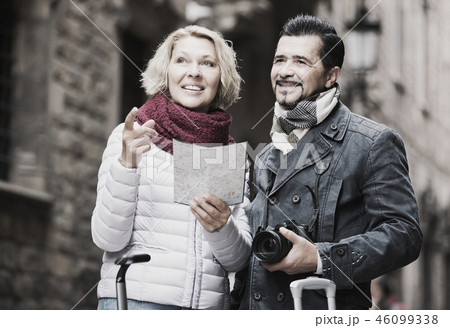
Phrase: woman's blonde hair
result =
(155, 77)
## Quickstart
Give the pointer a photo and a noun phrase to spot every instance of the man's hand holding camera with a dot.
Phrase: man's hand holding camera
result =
(300, 259)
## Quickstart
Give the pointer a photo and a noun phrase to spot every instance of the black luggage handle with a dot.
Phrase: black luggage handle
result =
(125, 262)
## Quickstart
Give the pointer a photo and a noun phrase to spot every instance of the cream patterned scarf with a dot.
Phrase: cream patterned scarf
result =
(289, 126)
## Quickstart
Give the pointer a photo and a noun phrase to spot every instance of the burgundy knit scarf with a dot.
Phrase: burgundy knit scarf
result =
(174, 121)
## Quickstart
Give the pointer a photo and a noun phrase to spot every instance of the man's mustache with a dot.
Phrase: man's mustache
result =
(294, 83)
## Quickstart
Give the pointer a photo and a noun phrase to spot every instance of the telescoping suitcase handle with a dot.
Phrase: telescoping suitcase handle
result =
(121, 290)
(329, 286)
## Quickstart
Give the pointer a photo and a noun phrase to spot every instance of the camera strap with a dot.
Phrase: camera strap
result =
(265, 218)
(319, 169)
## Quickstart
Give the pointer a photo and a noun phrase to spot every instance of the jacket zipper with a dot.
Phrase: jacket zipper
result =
(195, 263)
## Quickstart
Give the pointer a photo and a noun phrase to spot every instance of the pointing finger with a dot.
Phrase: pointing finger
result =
(129, 120)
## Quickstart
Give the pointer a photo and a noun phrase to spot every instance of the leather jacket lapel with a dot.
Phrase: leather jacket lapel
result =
(312, 148)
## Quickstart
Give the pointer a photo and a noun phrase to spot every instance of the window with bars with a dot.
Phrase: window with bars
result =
(6, 58)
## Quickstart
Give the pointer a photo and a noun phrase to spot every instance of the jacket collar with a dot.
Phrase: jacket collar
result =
(336, 124)
(312, 148)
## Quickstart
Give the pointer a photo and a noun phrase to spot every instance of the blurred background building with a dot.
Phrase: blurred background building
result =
(69, 72)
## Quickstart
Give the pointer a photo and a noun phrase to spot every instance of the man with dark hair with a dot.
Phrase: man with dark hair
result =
(338, 181)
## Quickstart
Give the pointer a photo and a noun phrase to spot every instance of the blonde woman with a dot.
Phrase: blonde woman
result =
(190, 81)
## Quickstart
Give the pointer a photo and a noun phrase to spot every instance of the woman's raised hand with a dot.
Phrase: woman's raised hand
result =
(135, 140)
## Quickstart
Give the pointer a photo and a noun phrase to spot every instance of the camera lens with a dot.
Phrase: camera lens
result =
(270, 246)
(267, 246)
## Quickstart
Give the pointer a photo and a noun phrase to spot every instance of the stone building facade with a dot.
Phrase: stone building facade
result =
(62, 103)
(69, 74)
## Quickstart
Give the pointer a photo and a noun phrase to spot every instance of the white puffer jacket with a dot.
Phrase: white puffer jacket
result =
(135, 213)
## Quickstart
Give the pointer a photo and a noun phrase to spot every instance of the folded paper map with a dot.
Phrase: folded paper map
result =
(202, 169)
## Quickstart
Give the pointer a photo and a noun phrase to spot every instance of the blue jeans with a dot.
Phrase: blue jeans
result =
(111, 304)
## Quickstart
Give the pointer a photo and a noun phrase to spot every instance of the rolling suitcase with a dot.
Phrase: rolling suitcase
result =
(121, 289)
(298, 286)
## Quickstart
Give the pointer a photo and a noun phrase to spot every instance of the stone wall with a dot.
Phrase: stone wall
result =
(67, 94)
(84, 92)
(24, 270)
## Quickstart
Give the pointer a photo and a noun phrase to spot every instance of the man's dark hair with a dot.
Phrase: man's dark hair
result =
(332, 50)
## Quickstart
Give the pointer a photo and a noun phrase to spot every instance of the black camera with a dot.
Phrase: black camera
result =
(270, 246)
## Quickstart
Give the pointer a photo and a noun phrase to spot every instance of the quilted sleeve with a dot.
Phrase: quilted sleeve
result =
(113, 215)
(231, 245)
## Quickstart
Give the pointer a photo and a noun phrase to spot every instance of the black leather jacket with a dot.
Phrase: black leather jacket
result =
(367, 222)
